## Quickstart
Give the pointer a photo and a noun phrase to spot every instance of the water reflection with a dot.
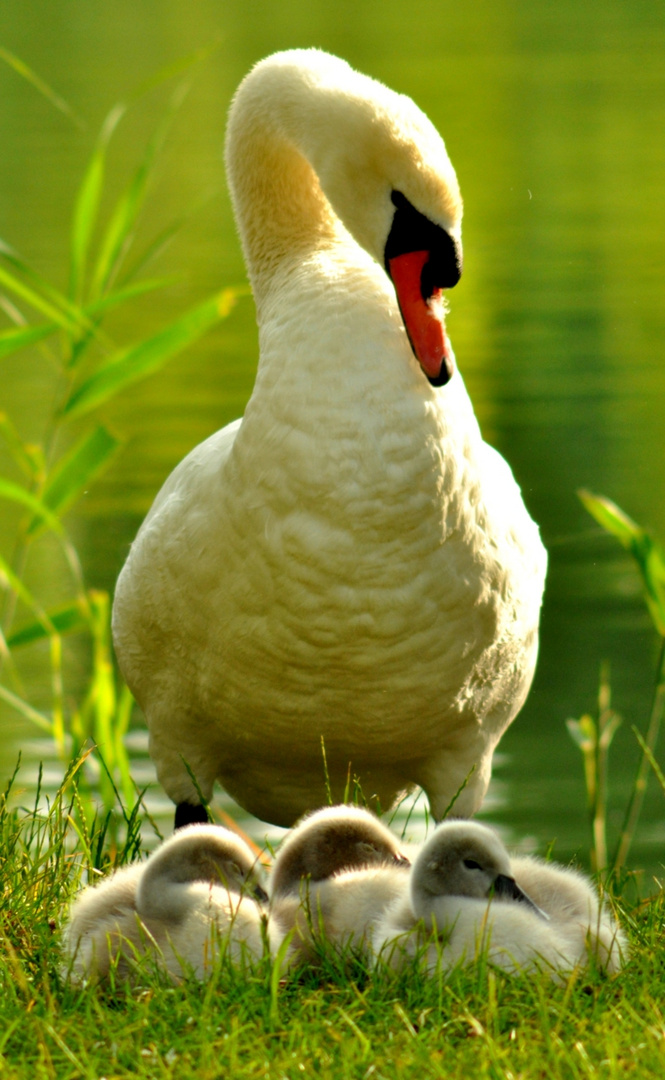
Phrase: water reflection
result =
(554, 119)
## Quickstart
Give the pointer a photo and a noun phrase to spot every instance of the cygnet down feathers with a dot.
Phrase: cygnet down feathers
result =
(467, 899)
(334, 875)
(195, 896)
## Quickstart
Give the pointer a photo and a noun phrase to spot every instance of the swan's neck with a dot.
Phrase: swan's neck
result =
(271, 150)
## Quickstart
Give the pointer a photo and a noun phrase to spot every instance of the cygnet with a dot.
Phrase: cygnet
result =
(193, 897)
(98, 915)
(333, 877)
(464, 901)
(570, 900)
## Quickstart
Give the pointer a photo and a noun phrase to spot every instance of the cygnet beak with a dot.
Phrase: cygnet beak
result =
(260, 894)
(507, 889)
(401, 860)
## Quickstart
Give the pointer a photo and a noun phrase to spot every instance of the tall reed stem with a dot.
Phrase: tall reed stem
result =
(639, 788)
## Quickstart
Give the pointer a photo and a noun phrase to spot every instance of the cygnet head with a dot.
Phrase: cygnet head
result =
(198, 853)
(329, 841)
(464, 858)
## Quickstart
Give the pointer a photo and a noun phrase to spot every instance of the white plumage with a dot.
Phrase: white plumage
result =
(350, 561)
(467, 899)
(194, 897)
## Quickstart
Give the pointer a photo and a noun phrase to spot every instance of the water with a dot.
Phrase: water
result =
(553, 115)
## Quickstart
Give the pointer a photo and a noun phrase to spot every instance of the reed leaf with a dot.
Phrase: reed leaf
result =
(40, 294)
(10, 580)
(128, 292)
(647, 552)
(176, 67)
(26, 709)
(87, 204)
(130, 365)
(22, 69)
(24, 292)
(13, 340)
(15, 493)
(97, 310)
(118, 235)
(28, 456)
(75, 470)
(66, 620)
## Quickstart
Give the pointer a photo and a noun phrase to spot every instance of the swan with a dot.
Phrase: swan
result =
(349, 563)
(199, 889)
(333, 876)
(466, 899)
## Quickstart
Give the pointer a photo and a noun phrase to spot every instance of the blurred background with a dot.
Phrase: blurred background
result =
(553, 115)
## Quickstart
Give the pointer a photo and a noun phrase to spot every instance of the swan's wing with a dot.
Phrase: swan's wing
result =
(209, 456)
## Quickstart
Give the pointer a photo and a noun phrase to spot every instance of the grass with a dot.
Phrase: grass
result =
(340, 1022)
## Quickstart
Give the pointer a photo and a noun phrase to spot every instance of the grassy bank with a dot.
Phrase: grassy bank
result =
(343, 1022)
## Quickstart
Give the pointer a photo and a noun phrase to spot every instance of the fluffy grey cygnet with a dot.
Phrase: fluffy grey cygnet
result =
(572, 903)
(196, 894)
(466, 898)
(333, 877)
(97, 918)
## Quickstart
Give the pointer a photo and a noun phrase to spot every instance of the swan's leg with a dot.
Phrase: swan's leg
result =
(188, 814)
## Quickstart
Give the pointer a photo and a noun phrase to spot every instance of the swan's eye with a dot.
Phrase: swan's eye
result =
(471, 864)
(412, 231)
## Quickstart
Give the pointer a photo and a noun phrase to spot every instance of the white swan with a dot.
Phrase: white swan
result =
(467, 899)
(196, 894)
(350, 561)
(332, 878)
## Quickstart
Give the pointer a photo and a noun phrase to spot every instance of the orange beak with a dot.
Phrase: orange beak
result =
(423, 317)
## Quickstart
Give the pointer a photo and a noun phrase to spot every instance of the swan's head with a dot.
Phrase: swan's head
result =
(329, 841)
(464, 858)
(383, 169)
(199, 853)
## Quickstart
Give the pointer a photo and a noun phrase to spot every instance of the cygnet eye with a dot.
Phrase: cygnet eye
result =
(471, 864)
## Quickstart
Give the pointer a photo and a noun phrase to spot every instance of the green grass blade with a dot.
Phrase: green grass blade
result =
(107, 303)
(75, 470)
(87, 204)
(119, 234)
(36, 301)
(163, 239)
(134, 363)
(129, 292)
(611, 517)
(173, 69)
(13, 340)
(22, 69)
(66, 620)
(10, 580)
(26, 710)
(40, 294)
(646, 551)
(155, 247)
(15, 493)
(27, 456)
